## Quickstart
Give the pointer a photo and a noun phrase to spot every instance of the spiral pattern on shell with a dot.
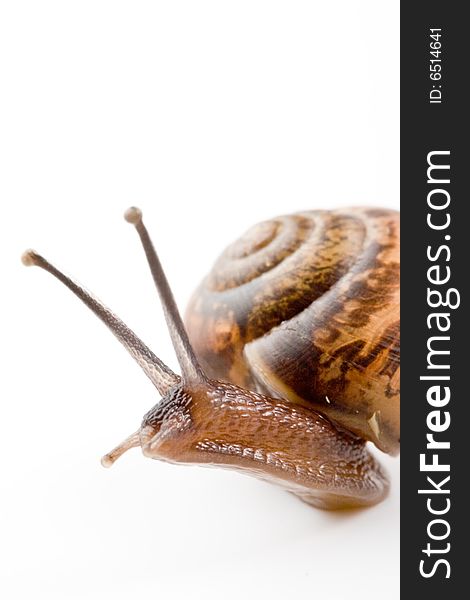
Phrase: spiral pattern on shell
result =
(306, 307)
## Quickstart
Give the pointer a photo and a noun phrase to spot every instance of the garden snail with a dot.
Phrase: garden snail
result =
(290, 360)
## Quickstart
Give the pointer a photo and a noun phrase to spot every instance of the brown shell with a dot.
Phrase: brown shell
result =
(305, 307)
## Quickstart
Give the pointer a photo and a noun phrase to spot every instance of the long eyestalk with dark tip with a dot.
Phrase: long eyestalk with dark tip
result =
(159, 374)
(190, 368)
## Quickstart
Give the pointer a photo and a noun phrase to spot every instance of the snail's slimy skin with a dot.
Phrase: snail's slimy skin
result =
(220, 424)
(306, 307)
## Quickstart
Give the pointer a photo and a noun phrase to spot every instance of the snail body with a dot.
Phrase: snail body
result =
(289, 358)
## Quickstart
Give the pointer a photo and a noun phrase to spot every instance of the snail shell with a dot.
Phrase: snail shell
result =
(305, 307)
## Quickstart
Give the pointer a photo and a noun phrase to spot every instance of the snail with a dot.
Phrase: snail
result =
(289, 359)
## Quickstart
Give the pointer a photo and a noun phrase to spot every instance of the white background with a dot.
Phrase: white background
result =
(210, 116)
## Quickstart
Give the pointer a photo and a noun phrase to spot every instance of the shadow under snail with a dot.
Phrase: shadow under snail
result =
(289, 359)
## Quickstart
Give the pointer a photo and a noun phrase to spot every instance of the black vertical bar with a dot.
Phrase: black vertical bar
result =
(428, 127)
